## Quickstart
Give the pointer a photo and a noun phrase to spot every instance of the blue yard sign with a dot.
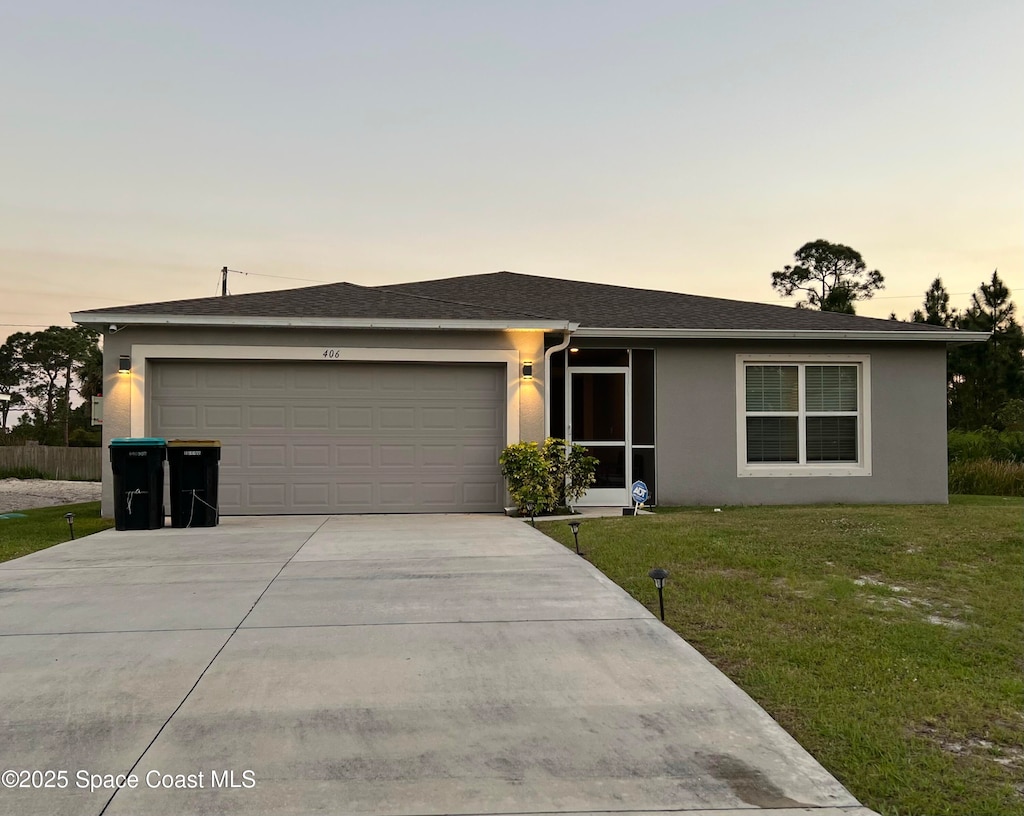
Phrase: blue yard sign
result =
(640, 492)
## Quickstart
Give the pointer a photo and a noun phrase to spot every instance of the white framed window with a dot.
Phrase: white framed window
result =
(803, 415)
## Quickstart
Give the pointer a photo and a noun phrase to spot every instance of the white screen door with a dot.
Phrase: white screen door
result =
(598, 404)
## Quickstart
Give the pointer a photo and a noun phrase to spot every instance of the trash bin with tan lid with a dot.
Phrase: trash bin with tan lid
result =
(194, 466)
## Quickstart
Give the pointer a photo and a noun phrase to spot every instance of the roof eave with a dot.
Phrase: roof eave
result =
(787, 334)
(237, 321)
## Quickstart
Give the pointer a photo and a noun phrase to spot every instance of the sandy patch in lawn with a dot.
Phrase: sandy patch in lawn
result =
(24, 494)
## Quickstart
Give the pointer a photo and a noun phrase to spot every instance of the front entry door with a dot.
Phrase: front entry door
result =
(598, 420)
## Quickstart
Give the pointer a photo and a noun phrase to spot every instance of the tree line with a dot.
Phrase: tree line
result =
(985, 381)
(44, 374)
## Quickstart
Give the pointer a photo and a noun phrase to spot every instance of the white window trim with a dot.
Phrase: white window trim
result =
(777, 469)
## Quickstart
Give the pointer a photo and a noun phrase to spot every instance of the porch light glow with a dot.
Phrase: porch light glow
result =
(528, 370)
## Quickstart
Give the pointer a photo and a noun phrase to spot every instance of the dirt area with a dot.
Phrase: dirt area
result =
(24, 494)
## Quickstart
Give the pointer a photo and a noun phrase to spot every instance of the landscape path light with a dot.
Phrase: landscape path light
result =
(575, 527)
(71, 523)
(659, 575)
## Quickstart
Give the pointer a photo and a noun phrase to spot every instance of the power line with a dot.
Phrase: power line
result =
(281, 277)
(37, 325)
(884, 297)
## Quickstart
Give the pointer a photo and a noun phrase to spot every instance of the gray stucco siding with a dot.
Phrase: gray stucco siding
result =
(697, 436)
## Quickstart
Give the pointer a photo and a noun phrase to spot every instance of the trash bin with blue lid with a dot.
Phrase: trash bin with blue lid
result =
(194, 468)
(138, 466)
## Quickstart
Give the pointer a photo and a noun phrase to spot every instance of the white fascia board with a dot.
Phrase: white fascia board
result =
(97, 318)
(786, 334)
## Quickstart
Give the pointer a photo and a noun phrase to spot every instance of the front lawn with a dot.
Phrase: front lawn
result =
(46, 526)
(889, 640)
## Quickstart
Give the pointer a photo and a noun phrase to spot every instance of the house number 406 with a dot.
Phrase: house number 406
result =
(332, 354)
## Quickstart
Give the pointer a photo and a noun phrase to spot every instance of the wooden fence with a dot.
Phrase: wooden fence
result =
(54, 463)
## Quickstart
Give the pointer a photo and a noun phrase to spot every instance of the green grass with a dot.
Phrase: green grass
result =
(46, 526)
(22, 473)
(986, 477)
(889, 640)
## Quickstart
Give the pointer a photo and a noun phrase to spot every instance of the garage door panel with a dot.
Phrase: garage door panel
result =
(397, 456)
(440, 494)
(354, 497)
(480, 494)
(480, 455)
(175, 417)
(271, 496)
(397, 495)
(354, 456)
(310, 378)
(354, 419)
(311, 456)
(224, 378)
(444, 419)
(221, 417)
(266, 379)
(259, 456)
(341, 437)
(440, 455)
(312, 495)
(177, 377)
(397, 419)
(267, 416)
(311, 418)
(480, 419)
(230, 456)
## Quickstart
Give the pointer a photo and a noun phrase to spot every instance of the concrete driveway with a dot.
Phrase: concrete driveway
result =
(366, 665)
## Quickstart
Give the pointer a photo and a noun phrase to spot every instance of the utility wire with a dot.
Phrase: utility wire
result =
(281, 277)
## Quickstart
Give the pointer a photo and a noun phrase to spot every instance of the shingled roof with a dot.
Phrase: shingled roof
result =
(512, 299)
(600, 305)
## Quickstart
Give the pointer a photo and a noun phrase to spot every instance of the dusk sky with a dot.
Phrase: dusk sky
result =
(688, 146)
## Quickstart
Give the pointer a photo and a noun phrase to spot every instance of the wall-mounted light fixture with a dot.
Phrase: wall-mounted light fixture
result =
(573, 350)
(124, 364)
(528, 370)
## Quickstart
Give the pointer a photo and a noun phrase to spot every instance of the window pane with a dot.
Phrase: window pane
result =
(772, 388)
(643, 471)
(773, 439)
(643, 396)
(611, 466)
(556, 394)
(599, 357)
(831, 388)
(598, 407)
(832, 439)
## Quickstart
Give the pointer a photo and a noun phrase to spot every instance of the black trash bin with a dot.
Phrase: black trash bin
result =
(195, 473)
(138, 465)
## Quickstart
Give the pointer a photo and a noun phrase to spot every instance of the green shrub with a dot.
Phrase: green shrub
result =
(986, 477)
(540, 479)
(22, 472)
(82, 438)
(571, 469)
(987, 443)
(528, 477)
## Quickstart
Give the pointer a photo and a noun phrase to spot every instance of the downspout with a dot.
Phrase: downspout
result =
(566, 337)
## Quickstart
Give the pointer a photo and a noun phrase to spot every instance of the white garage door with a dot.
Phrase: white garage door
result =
(341, 437)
